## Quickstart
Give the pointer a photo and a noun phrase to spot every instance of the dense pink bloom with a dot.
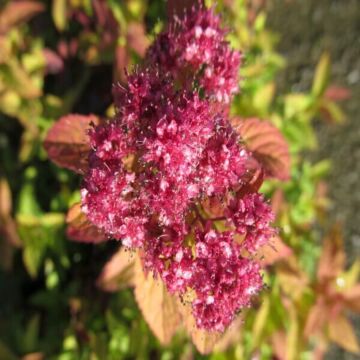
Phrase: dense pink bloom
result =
(195, 51)
(168, 151)
(251, 217)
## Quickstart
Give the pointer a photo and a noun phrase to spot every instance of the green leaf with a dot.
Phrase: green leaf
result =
(59, 14)
(39, 234)
(321, 77)
(332, 111)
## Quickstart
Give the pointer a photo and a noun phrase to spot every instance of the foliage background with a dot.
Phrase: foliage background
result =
(51, 307)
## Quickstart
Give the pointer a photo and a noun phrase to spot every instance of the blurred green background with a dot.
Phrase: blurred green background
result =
(300, 73)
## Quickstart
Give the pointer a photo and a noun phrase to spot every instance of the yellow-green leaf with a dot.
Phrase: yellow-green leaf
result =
(321, 77)
(59, 14)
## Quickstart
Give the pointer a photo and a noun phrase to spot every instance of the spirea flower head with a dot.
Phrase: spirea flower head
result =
(168, 174)
(195, 51)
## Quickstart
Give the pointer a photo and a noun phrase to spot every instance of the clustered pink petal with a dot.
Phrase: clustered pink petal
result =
(252, 217)
(169, 153)
(195, 51)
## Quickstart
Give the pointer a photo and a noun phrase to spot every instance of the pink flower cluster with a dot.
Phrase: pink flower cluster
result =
(157, 169)
(194, 49)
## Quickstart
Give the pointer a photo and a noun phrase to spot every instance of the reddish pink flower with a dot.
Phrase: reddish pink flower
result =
(195, 51)
(167, 151)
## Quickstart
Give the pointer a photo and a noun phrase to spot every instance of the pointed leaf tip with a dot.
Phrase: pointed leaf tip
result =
(267, 144)
(81, 229)
(67, 142)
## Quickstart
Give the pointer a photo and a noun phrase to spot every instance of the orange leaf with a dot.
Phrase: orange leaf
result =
(342, 333)
(67, 143)
(292, 279)
(17, 12)
(277, 201)
(316, 319)
(332, 259)
(267, 144)
(274, 251)
(278, 340)
(158, 307)
(203, 340)
(352, 298)
(118, 272)
(80, 228)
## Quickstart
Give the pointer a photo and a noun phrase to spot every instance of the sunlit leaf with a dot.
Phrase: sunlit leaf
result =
(274, 251)
(292, 338)
(118, 272)
(332, 259)
(296, 104)
(17, 78)
(321, 77)
(260, 321)
(292, 279)
(67, 143)
(158, 307)
(264, 96)
(79, 228)
(267, 144)
(59, 14)
(316, 319)
(342, 333)
(38, 234)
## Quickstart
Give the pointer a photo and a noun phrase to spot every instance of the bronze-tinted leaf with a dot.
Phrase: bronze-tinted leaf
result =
(80, 228)
(267, 144)
(293, 280)
(136, 38)
(275, 250)
(67, 142)
(278, 341)
(352, 298)
(332, 259)
(118, 272)
(316, 319)
(342, 333)
(203, 340)
(17, 12)
(158, 307)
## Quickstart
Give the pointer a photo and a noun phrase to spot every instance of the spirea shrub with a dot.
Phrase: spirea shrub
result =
(170, 176)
